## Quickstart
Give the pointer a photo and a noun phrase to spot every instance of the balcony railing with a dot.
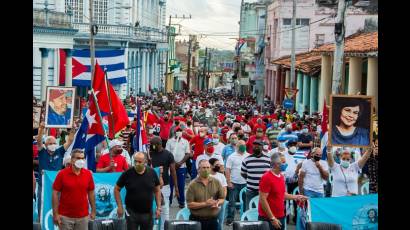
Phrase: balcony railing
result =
(49, 18)
(123, 31)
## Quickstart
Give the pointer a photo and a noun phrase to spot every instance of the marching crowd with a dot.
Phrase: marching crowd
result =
(221, 144)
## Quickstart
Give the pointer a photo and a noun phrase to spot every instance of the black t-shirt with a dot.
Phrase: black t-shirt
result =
(164, 159)
(140, 189)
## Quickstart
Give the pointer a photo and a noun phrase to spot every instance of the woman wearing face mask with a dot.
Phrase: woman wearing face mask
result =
(346, 174)
(216, 166)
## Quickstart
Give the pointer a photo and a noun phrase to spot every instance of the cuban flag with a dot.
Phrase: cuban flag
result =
(239, 45)
(111, 60)
(324, 133)
(140, 141)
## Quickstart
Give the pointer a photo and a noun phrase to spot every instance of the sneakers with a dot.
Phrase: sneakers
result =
(229, 222)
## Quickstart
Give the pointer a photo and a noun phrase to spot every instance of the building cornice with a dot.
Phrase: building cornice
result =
(52, 30)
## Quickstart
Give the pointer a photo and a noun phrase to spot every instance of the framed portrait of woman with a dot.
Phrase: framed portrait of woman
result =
(351, 120)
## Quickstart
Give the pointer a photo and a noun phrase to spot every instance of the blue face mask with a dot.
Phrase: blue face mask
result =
(283, 167)
(282, 145)
(216, 140)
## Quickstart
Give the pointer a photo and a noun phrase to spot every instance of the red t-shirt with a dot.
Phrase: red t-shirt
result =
(221, 117)
(74, 192)
(199, 146)
(35, 151)
(165, 128)
(256, 126)
(104, 162)
(275, 187)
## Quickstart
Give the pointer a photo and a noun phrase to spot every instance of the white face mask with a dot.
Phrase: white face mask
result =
(79, 164)
(52, 148)
(151, 131)
(292, 149)
(178, 134)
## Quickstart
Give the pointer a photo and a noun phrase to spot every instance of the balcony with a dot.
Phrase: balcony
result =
(43, 18)
(122, 32)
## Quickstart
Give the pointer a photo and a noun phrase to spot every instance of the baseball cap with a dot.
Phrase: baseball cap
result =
(115, 142)
(56, 93)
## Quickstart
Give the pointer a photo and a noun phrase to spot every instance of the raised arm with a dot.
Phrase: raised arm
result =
(40, 136)
(365, 157)
(330, 160)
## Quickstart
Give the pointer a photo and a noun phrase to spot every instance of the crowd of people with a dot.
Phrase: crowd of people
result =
(211, 145)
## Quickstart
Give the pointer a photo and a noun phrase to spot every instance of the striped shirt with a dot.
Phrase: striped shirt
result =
(254, 168)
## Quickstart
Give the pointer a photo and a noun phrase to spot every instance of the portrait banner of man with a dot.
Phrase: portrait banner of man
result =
(351, 120)
(59, 107)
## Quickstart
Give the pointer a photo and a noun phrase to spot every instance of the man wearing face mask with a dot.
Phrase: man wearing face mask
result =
(113, 161)
(234, 179)
(219, 146)
(73, 190)
(179, 147)
(259, 136)
(217, 173)
(198, 144)
(252, 169)
(209, 152)
(142, 185)
(312, 174)
(205, 196)
(231, 147)
(305, 140)
(162, 157)
(272, 195)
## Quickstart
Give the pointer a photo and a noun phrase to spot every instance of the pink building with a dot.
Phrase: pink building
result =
(315, 26)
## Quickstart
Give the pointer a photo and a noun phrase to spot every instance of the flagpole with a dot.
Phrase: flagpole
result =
(109, 101)
(101, 121)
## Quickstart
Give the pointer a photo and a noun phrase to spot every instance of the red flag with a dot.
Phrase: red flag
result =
(325, 118)
(120, 116)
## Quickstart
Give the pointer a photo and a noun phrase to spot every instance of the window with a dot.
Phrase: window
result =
(76, 8)
(320, 40)
(302, 21)
(287, 21)
(100, 11)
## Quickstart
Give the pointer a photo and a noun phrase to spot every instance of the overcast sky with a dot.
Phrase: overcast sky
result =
(209, 17)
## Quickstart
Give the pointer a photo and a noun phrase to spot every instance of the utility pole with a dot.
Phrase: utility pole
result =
(339, 50)
(293, 56)
(188, 75)
(209, 68)
(239, 66)
(93, 32)
(169, 41)
(204, 70)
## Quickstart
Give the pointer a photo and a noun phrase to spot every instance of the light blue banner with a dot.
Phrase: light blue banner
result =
(104, 197)
(352, 212)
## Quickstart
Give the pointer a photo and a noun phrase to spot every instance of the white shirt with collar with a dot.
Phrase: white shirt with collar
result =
(178, 146)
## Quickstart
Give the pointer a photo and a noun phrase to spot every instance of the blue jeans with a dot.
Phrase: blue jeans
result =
(194, 173)
(312, 194)
(282, 221)
(249, 194)
(233, 195)
(181, 174)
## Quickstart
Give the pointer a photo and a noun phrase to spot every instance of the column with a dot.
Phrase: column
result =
(148, 72)
(134, 73)
(306, 92)
(299, 97)
(139, 71)
(373, 79)
(325, 81)
(287, 81)
(313, 94)
(44, 72)
(143, 70)
(68, 67)
(355, 75)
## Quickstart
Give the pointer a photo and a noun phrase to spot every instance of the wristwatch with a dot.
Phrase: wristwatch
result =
(272, 219)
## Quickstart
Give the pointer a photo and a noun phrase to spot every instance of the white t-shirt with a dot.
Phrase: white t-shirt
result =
(178, 147)
(218, 148)
(234, 163)
(246, 128)
(313, 181)
(206, 157)
(292, 163)
(221, 178)
(339, 182)
(270, 153)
